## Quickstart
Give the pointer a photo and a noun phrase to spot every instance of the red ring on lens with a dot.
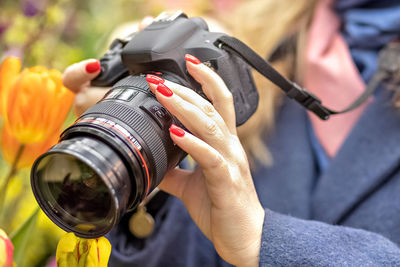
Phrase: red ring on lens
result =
(126, 137)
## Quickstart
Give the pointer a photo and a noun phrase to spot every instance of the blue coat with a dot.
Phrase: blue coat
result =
(348, 216)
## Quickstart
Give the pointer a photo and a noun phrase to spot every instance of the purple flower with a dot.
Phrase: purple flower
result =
(30, 8)
(3, 28)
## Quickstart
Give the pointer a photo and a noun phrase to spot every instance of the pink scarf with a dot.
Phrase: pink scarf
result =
(331, 74)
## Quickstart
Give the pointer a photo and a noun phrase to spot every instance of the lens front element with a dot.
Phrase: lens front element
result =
(81, 185)
(75, 191)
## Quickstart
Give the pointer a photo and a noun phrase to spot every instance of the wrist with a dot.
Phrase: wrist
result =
(251, 257)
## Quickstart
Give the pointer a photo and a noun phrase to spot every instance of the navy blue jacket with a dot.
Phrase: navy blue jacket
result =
(349, 216)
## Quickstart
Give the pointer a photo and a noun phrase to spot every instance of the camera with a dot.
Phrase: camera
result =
(119, 150)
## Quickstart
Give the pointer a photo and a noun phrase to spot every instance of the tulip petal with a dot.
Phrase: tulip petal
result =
(6, 250)
(67, 244)
(9, 71)
(92, 259)
(67, 247)
(3, 256)
(67, 260)
(22, 107)
(104, 250)
(10, 146)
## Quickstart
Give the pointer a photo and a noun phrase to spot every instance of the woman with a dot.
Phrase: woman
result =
(330, 194)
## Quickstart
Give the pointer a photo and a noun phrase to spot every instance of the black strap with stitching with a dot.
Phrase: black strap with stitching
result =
(293, 90)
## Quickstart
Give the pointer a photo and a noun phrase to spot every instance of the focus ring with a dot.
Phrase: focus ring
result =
(143, 128)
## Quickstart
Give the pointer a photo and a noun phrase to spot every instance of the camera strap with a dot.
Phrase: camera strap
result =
(293, 90)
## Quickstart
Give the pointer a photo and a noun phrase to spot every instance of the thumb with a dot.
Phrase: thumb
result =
(78, 75)
(88, 97)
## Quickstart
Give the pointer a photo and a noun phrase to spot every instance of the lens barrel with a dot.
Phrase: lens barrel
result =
(82, 185)
(106, 163)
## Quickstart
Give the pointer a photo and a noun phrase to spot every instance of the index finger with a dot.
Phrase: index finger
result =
(215, 89)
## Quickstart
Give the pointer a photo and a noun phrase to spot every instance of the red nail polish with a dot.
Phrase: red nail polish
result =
(178, 131)
(154, 79)
(93, 67)
(164, 90)
(192, 59)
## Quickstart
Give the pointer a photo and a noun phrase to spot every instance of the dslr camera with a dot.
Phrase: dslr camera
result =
(119, 150)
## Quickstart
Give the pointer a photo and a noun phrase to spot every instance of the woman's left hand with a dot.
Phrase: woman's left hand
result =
(220, 194)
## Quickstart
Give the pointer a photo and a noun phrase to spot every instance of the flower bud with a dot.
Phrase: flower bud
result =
(6, 250)
(81, 252)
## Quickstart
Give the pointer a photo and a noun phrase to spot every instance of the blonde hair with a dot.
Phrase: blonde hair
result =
(263, 24)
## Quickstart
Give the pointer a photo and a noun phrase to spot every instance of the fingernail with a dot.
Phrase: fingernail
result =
(164, 90)
(93, 67)
(154, 79)
(178, 131)
(192, 59)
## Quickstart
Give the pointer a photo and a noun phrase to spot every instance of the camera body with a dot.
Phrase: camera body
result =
(160, 48)
(119, 150)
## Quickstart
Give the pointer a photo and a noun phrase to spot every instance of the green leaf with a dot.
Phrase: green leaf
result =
(20, 238)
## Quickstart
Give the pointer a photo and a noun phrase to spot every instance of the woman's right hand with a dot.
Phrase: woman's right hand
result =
(225, 207)
(77, 78)
(220, 194)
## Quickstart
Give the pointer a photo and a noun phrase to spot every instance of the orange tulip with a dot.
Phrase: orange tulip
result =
(34, 102)
(10, 146)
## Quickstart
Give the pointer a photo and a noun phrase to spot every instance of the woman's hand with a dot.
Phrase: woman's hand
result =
(220, 194)
(77, 77)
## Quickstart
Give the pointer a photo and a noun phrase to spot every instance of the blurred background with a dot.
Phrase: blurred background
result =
(55, 34)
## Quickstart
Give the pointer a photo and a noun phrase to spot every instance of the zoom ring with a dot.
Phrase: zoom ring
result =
(143, 128)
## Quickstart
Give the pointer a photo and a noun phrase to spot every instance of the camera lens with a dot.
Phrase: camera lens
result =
(106, 163)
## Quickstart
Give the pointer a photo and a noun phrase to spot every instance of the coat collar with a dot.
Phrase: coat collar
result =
(365, 161)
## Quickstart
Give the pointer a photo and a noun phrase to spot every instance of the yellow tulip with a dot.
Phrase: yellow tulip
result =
(10, 146)
(80, 252)
(34, 102)
(6, 250)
